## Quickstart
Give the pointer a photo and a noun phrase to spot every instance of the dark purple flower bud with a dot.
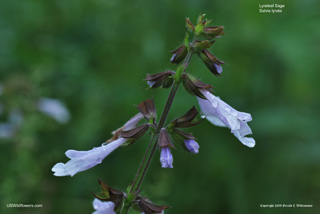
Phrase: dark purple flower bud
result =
(212, 32)
(192, 146)
(147, 109)
(187, 120)
(212, 62)
(179, 54)
(163, 79)
(166, 158)
(148, 207)
(135, 134)
(194, 85)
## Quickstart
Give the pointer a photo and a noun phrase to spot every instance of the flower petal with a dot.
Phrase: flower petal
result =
(210, 112)
(83, 160)
(192, 146)
(221, 114)
(247, 141)
(103, 207)
(166, 158)
(132, 122)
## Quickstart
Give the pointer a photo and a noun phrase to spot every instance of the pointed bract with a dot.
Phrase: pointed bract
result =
(136, 133)
(193, 85)
(164, 139)
(187, 120)
(147, 109)
(189, 25)
(149, 208)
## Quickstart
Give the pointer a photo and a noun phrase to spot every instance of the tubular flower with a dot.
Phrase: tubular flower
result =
(83, 160)
(166, 158)
(221, 114)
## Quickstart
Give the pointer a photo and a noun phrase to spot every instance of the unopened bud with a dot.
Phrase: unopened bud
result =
(201, 45)
(187, 120)
(179, 54)
(163, 79)
(189, 25)
(212, 62)
(212, 32)
(134, 134)
(201, 18)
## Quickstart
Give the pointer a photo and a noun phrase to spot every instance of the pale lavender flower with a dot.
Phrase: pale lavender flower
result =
(7, 130)
(54, 108)
(166, 158)
(218, 68)
(221, 114)
(103, 207)
(83, 160)
(192, 146)
(16, 117)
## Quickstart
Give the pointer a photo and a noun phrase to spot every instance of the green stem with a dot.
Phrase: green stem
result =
(145, 163)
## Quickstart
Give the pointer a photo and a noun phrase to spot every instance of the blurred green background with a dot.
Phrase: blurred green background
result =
(93, 54)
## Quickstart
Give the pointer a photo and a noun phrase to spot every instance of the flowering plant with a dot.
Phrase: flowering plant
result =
(164, 136)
